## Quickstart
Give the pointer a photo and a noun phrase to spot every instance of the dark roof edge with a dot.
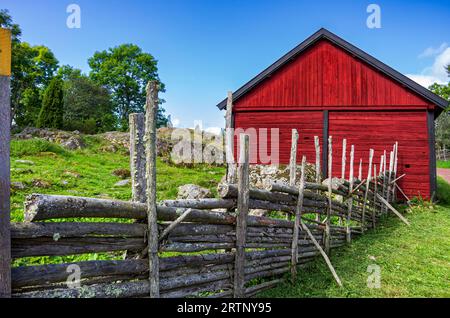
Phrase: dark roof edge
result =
(323, 33)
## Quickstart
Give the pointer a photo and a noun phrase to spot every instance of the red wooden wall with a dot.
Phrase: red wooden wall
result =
(379, 131)
(365, 106)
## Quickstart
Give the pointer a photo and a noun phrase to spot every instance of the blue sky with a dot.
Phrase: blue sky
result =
(205, 48)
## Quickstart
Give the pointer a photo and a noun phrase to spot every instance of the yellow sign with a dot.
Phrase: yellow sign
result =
(5, 52)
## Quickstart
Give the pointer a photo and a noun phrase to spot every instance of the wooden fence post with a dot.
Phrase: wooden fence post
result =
(360, 170)
(350, 190)
(394, 195)
(298, 217)
(229, 141)
(137, 158)
(344, 158)
(241, 219)
(5, 181)
(293, 158)
(330, 181)
(391, 165)
(318, 167)
(369, 176)
(151, 109)
(375, 189)
(383, 191)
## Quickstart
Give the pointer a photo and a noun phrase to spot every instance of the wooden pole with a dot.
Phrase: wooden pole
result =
(327, 234)
(318, 168)
(229, 139)
(350, 190)
(298, 217)
(360, 170)
(293, 158)
(391, 165)
(323, 253)
(383, 191)
(344, 158)
(151, 109)
(5, 179)
(375, 190)
(137, 158)
(241, 219)
(394, 188)
(369, 176)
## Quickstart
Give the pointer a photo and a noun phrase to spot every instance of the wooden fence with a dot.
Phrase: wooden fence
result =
(212, 254)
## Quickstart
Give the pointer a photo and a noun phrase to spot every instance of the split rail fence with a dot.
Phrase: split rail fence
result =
(212, 253)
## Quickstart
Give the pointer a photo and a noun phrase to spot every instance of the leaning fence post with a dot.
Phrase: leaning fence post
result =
(391, 164)
(229, 139)
(5, 128)
(360, 170)
(395, 170)
(298, 216)
(137, 157)
(350, 190)
(293, 158)
(369, 176)
(383, 191)
(330, 180)
(151, 108)
(241, 218)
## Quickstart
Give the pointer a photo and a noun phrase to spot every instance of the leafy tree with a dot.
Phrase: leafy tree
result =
(125, 71)
(32, 68)
(443, 121)
(87, 105)
(51, 114)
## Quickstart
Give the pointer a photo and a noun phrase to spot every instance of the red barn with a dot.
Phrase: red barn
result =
(327, 87)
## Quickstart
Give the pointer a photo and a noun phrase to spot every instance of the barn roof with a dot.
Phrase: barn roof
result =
(325, 34)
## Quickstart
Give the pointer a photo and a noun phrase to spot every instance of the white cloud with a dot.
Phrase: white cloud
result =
(435, 73)
(431, 51)
(175, 122)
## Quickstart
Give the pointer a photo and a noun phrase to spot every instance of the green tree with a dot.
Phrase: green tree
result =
(51, 114)
(125, 71)
(32, 68)
(87, 105)
(443, 121)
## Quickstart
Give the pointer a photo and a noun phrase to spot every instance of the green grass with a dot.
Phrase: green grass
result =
(443, 164)
(414, 261)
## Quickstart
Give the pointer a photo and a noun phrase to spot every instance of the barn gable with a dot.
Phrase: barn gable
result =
(326, 72)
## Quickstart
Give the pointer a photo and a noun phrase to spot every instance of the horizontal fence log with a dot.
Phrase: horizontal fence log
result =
(27, 230)
(72, 246)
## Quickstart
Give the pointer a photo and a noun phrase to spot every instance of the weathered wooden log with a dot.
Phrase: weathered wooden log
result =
(174, 224)
(137, 157)
(44, 207)
(70, 246)
(201, 203)
(58, 230)
(196, 289)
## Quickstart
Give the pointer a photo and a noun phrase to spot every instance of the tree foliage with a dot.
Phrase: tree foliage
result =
(51, 114)
(125, 71)
(443, 121)
(32, 68)
(87, 105)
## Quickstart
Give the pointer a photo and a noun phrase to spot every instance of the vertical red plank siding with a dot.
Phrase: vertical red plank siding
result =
(308, 124)
(379, 131)
(326, 75)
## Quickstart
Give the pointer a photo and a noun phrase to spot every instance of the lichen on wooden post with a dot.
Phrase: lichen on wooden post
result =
(151, 109)
(327, 233)
(298, 216)
(369, 176)
(241, 219)
(293, 158)
(229, 141)
(318, 168)
(5, 126)
(350, 190)
(137, 158)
